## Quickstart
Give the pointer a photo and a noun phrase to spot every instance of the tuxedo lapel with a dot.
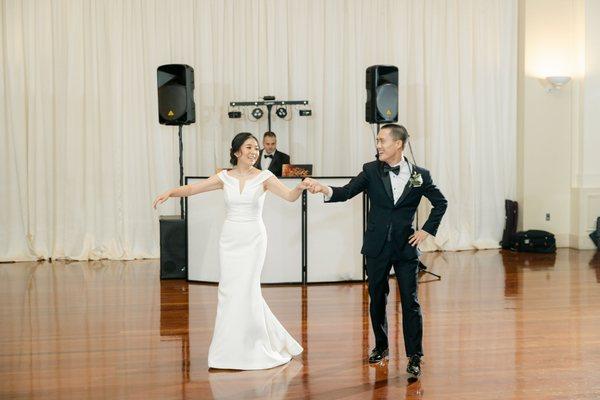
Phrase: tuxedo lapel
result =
(274, 161)
(387, 184)
(404, 193)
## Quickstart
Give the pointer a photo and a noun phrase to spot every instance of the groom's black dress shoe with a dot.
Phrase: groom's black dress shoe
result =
(414, 366)
(377, 355)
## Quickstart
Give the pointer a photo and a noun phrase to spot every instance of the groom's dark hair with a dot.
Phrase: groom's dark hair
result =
(398, 132)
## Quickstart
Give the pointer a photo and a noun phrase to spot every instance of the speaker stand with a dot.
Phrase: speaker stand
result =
(422, 267)
(181, 170)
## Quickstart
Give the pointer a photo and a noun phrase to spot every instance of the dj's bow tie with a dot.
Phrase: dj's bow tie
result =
(269, 156)
(387, 169)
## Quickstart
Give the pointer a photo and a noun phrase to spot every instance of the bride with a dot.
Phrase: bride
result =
(247, 335)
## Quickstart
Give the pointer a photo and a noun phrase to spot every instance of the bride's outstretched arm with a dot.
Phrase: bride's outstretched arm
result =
(279, 189)
(212, 183)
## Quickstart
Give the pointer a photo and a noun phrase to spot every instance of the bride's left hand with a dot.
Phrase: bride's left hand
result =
(161, 199)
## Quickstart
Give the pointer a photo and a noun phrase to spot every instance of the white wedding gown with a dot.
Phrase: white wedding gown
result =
(247, 335)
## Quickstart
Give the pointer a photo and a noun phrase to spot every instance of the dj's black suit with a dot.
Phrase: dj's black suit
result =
(277, 162)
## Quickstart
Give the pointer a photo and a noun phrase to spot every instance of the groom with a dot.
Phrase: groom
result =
(395, 188)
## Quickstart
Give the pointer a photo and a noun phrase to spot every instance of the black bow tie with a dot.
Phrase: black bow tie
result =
(269, 156)
(387, 169)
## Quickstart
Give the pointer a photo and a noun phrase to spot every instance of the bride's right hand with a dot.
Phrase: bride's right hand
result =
(303, 185)
(313, 185)
(161, 198)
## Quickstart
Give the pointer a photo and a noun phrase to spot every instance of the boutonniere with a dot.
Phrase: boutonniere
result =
(416, 180)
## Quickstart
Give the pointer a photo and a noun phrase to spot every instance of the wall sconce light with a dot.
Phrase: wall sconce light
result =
(555, 83)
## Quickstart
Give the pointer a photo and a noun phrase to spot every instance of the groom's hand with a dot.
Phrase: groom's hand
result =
(314, 186)
(416, 238)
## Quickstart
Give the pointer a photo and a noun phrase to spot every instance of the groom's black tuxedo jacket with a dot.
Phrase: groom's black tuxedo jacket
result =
(387, 219)
(277, 162)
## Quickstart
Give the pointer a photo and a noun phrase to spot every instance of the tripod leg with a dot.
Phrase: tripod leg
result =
(431, 273)
(423, 268)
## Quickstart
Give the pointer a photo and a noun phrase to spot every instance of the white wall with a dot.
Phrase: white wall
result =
(559, 172)
(586, 173)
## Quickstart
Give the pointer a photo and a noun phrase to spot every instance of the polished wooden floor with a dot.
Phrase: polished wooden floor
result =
(497, 326)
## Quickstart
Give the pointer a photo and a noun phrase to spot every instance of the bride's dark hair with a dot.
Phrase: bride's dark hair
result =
(237, 143)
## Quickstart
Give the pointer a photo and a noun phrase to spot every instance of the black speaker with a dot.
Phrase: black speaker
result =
(382, 94)
(595, 236)
(173, 247)
(176, 94)
(510, 225)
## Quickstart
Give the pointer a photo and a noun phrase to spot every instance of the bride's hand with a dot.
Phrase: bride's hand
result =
(161, 199)
(309, 184)
(303, 185)
(314, 186)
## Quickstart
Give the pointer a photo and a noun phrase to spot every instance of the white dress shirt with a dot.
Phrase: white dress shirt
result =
(398, 181)
(264, 161)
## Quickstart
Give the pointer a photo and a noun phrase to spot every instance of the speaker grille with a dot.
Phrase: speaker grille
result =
(382, 94)
(173, 101)
(387, 102)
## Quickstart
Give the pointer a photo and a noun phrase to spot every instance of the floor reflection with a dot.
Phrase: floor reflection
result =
(380, 388)
(497, 322)
(531, 261)
(515, 262)
(174, 319)
(595, 264)
(413, 389)
(80, 328)
(263, 384)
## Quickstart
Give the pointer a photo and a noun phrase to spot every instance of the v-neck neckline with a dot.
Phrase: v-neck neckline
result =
(240, 187)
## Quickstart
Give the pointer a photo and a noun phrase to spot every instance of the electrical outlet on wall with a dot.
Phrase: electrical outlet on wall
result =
(547, 216)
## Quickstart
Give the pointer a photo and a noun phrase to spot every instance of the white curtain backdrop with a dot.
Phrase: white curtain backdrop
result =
(82, 153)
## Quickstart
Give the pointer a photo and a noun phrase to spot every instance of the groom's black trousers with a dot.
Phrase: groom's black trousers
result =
(378, 270)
